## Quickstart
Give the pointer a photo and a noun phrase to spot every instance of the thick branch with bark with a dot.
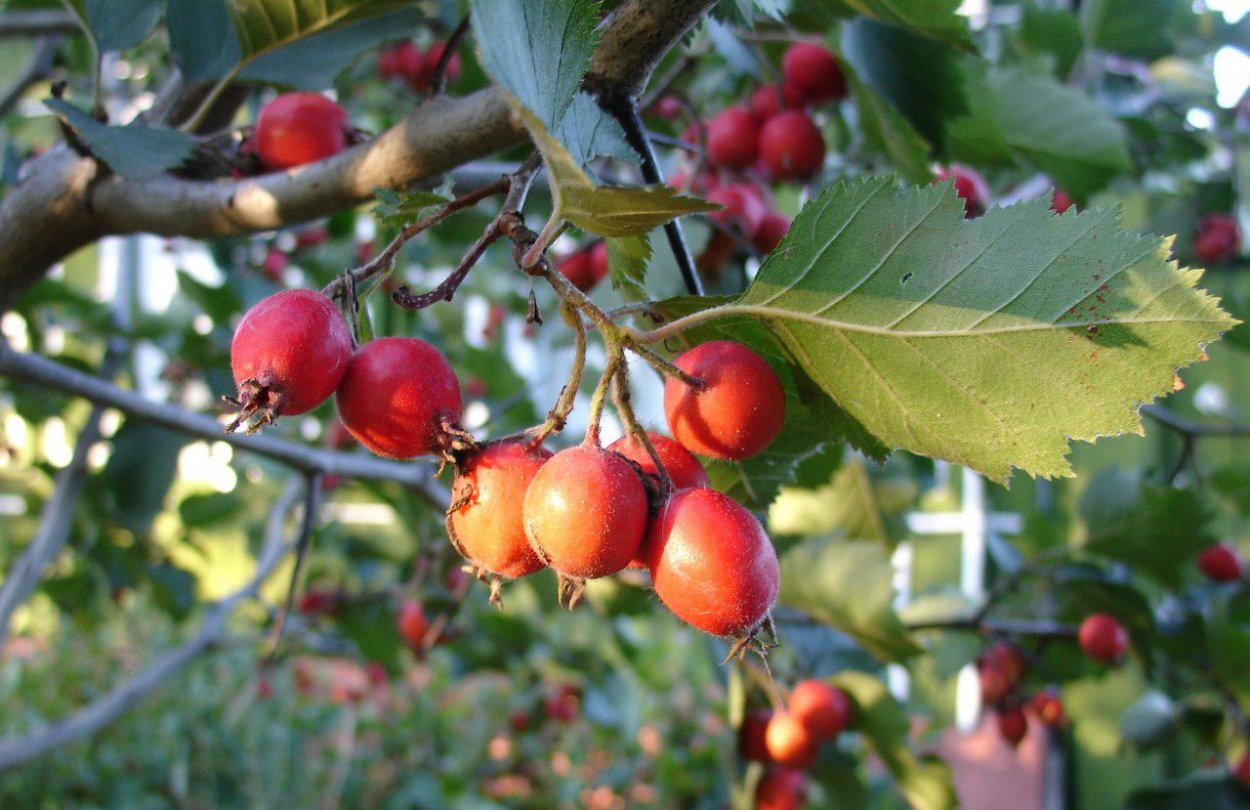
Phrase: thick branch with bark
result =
(57, 208)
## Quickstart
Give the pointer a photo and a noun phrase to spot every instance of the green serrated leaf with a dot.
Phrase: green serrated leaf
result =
(1141, 28)
(989, 342)
(1052, 31)
(1156, 530)
(860, 503)
(201, 38)
(120, 24)
(604, 210)
(538, 50)
(628, 257)
(262, 26)
(847, 584)
(938, 20)
(588, 132)
(398, 208)
(135, 150)
(924, 781)
(889, 133)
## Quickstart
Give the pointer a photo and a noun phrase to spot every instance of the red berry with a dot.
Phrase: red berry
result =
(666, 107)
(275, 263)
(1103, 638)
(1061, 201)
(815, 71)
(299, 128)
(486, 526)
(289, 353)
(398, 397)
(1013, 725)
(520, 721)
(377, 673)
(311, 237)
(788, 742)
(683, 469)
(586, 512)
(1242, 771)
(402, 61)
(264, 687)
(768, 100)
(743, 207)
(769, 234)
(563, 704)
(781, 789)
(791, 146)
(824, 710)
(587, 267)
(337, 436)
(970, 186)
(739, 409)
(751, 743)
(733, 137)
(1219, 237)
(412, 624)
(1048, 708)
(711, 562)
(1001, 667)
(1221, 563)
(316, 601)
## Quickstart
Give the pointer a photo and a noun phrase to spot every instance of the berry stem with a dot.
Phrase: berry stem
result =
(615, 361)
(621, 396)
(559, 414)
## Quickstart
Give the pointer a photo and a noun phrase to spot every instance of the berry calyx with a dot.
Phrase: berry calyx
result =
(401, 399)
(585, 512)
(684, 470)
(289, 353)
(412, 624)
(1048, 708)
(770, 99)
(711, 563)
(771, 231)
(733, 137)
(1013, 725)
(823, 709)
(781, 789)
(1219, 237)
(815, 71)
(970, 186)
(736, 412)
(789, 743)
(791, 146)
(751, 743)
(1103, 638)
(1221, 563)
(488, 494)
(299, 128)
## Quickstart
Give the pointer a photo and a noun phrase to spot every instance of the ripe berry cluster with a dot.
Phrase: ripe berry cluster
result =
(1218, 239)
(409, 64)
(586, 511)
(788, 740)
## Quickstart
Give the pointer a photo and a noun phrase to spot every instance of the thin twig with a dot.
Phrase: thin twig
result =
(446, 290)
(312, 489)
(50, 375)
(438, 80)
(621, 397)
(1188, 427)
(384, 260)
(38, 68)
(126, 695)
(37, 23)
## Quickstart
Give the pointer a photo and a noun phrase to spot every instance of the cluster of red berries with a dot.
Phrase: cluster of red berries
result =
(1218, 239)
(787, 741)
(972, 188)
(409, 64)
(1001, 668)
(587, 511)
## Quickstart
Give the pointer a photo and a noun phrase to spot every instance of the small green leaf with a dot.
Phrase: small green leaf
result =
(1052, 31)
(538, 50)
(218, 303)
(861, 503)
(135, 150)
(628, 257)
(1142, 28)
(262, 26)
(989, 342)
(201, 38)
(889, 133)
(120, 24)
(849, 585)
(938, 20)
(396, 209)
(210, 509)
(924, 781)
(605, 210)
(1151, 721)
(588, 132)
(139, 472)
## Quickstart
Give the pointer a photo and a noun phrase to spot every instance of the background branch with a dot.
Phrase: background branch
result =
(125, 696)
(50, 375)
(37, 23)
